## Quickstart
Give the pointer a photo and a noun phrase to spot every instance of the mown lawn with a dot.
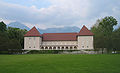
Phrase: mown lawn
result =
(53, 63)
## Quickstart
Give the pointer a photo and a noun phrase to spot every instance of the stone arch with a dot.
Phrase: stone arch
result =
(75, 47)
(58, 47)
(54, 47)
(46, 47)
(42, 47)
(50, 47)
(66, 47)
(71, 47)
(62, 47)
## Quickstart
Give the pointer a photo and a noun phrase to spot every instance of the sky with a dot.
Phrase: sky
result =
(58, 13)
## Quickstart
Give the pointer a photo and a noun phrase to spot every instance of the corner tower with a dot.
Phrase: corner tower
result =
(32, 39)
(85, 39)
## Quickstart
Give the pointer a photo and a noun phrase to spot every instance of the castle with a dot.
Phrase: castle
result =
(33, 40)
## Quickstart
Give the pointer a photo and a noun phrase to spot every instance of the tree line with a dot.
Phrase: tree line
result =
(105, 36)
(11, 38)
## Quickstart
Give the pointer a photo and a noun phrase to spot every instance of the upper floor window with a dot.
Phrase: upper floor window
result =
(87, 46)
(82, 46)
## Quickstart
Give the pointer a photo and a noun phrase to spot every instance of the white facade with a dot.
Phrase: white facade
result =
(31, 43)
(85, 42)
(36, 43)
(33, 40)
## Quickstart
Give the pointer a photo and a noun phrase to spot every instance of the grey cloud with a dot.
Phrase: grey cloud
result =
(60, 14)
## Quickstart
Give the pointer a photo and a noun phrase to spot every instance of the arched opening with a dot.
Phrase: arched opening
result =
(50, 47)
(58, 47)
(67, 47)
(54, 48)
(46, 47)
(62, 48)
(75, 47)
(42, 47)
(71, 47)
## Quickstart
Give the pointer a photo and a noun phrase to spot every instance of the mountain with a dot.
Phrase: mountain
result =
(18, 25)
(60, 30)
(48, 30)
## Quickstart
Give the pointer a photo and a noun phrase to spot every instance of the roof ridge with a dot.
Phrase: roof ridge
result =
(85, 31)
(33, 32)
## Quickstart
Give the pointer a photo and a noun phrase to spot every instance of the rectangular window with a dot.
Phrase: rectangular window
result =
(87, 46)
(82, 46)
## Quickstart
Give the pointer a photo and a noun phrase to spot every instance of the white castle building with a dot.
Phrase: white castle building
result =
(33, 40)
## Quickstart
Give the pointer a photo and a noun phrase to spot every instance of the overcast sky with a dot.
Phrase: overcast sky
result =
(58, 13)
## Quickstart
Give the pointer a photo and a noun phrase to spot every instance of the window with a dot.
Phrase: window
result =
(29, 38)
(82, 46)
(87, 46)
(34, 46)
(29, 47)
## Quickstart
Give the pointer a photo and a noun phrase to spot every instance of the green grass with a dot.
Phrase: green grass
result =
(51, 63)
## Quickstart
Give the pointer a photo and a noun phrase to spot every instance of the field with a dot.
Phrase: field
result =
(53, 63)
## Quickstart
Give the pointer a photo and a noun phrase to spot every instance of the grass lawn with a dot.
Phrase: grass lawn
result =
(53, 63)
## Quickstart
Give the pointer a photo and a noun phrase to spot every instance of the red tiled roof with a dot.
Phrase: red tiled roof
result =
(85, 31)
(33, 32)
(59, 36)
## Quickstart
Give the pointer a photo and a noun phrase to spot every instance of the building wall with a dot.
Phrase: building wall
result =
(32, 43)
(36, 43)
(60, 43)
(85, 42)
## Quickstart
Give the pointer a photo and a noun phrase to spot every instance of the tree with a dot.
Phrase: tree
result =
(116, 39)
(103, 30)
(2, 26)
(106, 25)
(18, 34)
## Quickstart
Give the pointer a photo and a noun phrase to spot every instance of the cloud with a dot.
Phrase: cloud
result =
(60, 12)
